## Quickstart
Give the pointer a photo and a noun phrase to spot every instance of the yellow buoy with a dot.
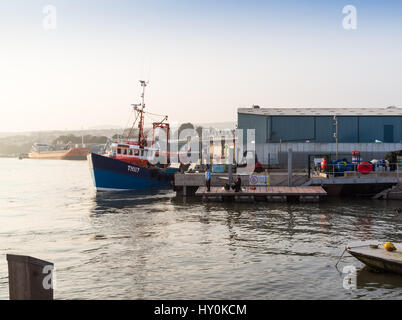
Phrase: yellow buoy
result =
(389, 246)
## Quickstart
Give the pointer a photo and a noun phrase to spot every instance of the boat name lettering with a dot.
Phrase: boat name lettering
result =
(133, 169)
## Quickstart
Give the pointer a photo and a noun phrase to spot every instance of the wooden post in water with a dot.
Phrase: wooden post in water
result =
(290, 155)
(184, 186)
(29, 278)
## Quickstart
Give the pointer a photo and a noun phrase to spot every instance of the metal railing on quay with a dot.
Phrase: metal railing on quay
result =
(367, 170)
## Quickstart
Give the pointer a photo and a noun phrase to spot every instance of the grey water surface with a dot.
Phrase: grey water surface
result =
(153, 246)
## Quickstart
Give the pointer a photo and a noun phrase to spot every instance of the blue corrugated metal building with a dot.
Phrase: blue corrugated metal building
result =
(363, 125)
(310, 131)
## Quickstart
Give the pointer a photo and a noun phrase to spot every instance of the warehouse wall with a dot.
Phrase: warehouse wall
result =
(325, 129)
(371, 128)
(257, 122)
(292, 128)
(351, 129)
(348, 129)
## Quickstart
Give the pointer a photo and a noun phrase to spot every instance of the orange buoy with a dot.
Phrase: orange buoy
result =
(389, 246)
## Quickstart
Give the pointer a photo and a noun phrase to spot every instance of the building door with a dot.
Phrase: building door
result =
(388, 133)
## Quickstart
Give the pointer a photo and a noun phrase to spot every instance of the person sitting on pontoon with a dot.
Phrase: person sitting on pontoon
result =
(236, 186)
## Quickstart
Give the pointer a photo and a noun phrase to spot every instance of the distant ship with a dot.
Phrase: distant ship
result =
(128, 165)
(68, 152)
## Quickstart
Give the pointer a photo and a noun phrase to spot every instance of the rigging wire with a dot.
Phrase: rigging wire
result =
(126, 126)
(158, 115)
(132, 127)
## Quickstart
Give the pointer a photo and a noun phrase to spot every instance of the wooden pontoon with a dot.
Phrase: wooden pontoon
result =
(269, 193)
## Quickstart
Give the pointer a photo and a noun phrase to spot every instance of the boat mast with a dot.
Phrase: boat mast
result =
(141, 137)
(139, 108)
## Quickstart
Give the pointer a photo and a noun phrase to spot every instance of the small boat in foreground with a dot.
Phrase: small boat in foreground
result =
(376, 257)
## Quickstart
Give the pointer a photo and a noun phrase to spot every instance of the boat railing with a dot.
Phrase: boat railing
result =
(390, 170)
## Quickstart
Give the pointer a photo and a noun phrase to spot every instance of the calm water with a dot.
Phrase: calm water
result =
(126, 246)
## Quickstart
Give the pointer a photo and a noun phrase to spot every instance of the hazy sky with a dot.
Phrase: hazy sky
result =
(204, 59)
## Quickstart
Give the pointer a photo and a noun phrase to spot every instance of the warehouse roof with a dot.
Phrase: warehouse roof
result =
(387, 111)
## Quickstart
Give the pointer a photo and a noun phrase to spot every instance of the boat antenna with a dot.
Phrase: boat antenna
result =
(143, 85)
(139, 109)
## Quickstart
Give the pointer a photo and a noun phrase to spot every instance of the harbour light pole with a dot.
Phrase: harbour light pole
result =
(336, 135)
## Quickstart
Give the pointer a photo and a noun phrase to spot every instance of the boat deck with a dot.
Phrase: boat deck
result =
(269, 193)
(379, 258)
(380, 253)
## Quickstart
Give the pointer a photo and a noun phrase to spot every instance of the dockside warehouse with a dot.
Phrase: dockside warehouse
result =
(312, 131)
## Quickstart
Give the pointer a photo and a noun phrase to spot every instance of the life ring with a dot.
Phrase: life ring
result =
(254, 179)
(365, 167)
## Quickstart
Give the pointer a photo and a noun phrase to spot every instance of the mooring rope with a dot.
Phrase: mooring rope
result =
(346, 248)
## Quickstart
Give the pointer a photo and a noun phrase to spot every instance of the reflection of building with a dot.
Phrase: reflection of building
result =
(373, 131)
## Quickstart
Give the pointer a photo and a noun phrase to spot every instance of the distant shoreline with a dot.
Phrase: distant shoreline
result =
(217, 125)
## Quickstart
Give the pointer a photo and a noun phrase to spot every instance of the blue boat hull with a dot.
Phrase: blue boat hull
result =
(114, 175)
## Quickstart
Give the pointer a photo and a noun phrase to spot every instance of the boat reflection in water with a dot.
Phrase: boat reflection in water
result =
(368, 278)
(105, 202)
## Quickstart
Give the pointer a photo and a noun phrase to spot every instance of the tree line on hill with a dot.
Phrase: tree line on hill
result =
(78, 139)
(134, 134)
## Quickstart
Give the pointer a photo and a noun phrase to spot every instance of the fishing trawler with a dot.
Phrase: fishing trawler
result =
(130, 165)
(49, 152)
